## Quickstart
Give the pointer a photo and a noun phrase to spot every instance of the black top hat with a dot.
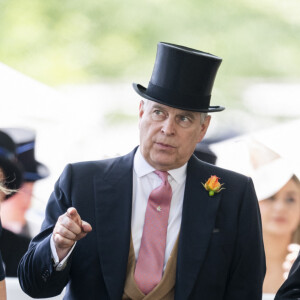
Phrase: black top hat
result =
(182, 78)
(8, 163)
(25, 141)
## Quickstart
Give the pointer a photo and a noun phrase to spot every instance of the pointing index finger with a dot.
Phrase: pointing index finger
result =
(73, 215)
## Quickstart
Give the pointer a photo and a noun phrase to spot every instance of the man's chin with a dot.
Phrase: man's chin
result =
(163, 162)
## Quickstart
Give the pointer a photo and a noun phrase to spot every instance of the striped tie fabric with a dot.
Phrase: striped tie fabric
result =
(149, 266)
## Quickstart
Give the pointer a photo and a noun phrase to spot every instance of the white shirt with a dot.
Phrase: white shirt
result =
(144, 181)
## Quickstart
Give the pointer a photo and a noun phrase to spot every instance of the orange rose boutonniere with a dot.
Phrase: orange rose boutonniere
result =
(212, 185)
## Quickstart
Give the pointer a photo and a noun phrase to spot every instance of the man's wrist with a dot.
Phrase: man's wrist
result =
(60, 259)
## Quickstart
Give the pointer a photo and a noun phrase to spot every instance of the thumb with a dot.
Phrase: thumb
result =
(86, 227)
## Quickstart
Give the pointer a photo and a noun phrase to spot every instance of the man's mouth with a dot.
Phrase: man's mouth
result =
(166, 146)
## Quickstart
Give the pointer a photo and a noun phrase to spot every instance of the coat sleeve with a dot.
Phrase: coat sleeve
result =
(248, 267)
(290, 289)
(36, 274)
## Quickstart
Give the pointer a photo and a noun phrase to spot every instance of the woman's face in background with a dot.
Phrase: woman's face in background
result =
(281, 213)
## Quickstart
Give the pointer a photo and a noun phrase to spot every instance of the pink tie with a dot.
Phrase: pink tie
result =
(149, 266)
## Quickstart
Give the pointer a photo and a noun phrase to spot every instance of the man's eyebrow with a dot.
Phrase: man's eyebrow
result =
(158, 106)
(188, 114)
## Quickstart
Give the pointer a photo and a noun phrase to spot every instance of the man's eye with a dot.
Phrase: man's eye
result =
(184, 119)
(158, 115)
(158, 112)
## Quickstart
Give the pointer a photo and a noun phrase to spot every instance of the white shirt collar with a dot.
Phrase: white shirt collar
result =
(142, 168)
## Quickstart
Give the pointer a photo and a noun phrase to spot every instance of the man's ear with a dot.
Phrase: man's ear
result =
(204, 128)
(141, 109)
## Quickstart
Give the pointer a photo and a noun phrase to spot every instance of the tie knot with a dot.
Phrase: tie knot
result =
(162, 174)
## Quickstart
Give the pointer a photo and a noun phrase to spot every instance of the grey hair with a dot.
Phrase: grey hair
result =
(203, 115)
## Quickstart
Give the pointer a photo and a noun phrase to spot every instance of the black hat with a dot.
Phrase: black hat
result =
(25, 141)
(8, 163)
(203, 152)
(182, 78)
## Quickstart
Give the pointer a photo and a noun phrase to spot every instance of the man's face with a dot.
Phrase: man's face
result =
(168, 136)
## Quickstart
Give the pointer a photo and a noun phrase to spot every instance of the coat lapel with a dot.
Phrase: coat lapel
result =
(113, 202)
(198, 220)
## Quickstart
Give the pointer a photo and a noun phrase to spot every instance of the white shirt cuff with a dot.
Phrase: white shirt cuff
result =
(59, 266)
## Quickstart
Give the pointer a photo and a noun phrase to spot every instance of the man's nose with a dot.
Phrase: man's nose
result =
(168, 127)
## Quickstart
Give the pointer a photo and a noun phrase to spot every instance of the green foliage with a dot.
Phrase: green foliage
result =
(119, 117)
(81, 41)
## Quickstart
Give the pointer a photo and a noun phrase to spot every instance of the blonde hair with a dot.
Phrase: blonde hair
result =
(5, 190)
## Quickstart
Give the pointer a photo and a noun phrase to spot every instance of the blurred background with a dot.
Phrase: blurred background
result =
(66, 69)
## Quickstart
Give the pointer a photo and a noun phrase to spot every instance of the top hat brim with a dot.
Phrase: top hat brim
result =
(142, 91)
(40, 172)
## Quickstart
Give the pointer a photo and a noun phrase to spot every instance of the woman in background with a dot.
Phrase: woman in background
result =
(3, 193)
(278, 193)
(10, 180)
(280, 215)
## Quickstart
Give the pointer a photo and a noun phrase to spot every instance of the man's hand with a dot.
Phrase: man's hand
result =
(290, 258)
(68, 229)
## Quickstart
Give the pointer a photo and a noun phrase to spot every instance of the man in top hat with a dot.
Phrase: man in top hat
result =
(15, 226)
(155, 223)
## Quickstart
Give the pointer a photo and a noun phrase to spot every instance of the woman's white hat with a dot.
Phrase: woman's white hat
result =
(268, 170)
